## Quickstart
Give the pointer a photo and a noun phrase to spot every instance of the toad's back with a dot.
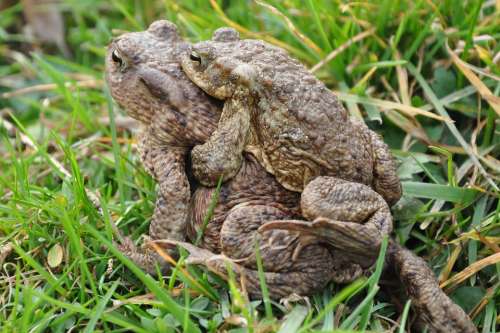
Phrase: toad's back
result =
(299, 125)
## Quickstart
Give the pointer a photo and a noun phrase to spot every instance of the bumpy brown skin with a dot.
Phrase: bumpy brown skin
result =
(145, 79)
(351, 218)
(432, 305)
(277, 110)
(347, 216)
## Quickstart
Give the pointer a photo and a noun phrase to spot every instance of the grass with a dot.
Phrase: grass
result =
(63, 139)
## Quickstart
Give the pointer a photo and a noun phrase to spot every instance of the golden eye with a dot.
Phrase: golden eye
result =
(116, 58)
(195, 57)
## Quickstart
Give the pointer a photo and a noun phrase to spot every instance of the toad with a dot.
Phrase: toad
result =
(144, 76)
(145, 79)
(287, 118)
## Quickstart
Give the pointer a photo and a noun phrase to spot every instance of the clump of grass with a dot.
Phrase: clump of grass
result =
(423, 74)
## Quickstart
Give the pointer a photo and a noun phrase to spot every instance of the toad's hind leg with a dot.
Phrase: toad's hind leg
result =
(350, 217)
(433, 306)
(310, 271)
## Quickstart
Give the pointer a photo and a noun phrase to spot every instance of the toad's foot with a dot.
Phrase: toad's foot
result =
(285, 272)
(143, 257)
(359, 242)
(309, 272)
(197, 255)
(351, 217)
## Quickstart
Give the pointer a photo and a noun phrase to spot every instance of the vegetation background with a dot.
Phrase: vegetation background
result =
(406, 67)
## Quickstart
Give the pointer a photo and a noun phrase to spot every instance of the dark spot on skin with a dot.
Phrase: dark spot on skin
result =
(136, 59)
(224, 194)
(179, 117)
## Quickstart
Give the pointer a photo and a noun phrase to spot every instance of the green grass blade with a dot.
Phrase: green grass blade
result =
(210, 212)
(345, 293)
(319, 25)
(365, 304)
(262, 280)
(294, 319)
(439, 192)
(77, 308)
(177, 311)
(404, 317)
(99, 309)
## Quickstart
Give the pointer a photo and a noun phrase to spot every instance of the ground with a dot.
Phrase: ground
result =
(423, 74)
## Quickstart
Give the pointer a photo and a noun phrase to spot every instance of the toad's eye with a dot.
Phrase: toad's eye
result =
(116, 58)
(195, 57)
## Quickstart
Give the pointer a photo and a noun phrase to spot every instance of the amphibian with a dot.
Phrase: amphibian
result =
(288, 119)
(145, 79)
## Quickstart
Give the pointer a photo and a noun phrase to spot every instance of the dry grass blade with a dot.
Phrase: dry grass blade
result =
(96, 84)
(475, 236)
(342, 48)
(483, 90)
(245, 31)
(168, 258)
(493, 246)
(171, 260)
(365, 78)
(402, 76)
(484, 301)
(292, 27)
(445, 273)
(470, 270)
(388, 105)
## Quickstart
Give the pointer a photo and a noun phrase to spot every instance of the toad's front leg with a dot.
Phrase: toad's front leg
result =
(169, 221)
(221, 155)
(350, 217)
